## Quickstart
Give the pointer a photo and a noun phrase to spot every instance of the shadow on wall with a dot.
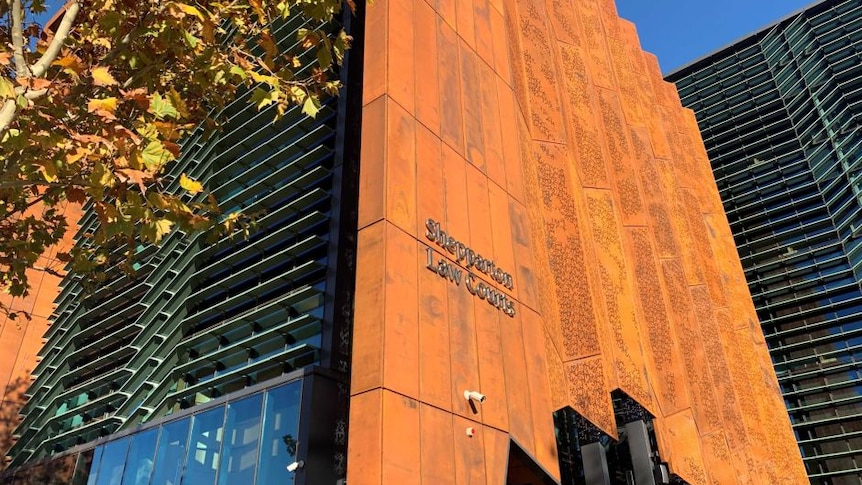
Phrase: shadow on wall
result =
(13, 400)
(53, 472)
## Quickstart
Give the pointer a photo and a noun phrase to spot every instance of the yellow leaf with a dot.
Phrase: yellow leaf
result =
(157, 229)
(191, 185)
(78, 154)
(103, 41)
(103, 104)
(190, 10)
(7, 90)
(102, 77)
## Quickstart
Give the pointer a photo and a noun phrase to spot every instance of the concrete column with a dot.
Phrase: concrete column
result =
(595, 464)
(639, 447)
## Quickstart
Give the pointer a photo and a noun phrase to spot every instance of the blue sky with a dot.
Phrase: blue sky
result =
(680, 31)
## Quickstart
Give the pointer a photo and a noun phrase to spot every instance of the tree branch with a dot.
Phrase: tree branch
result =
(7, 114)
(21, 67)
(10, 107)
(53, 50)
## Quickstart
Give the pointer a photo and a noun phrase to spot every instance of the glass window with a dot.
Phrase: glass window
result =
(82, 467)
(139, 464)
(94, 468)
(280, 433)
(242, 434)
(204, 447)
(59, 471)
(171, 452)
(113, 462)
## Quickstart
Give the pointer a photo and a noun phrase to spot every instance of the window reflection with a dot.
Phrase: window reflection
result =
(204, 447)
(94, 468)
(171, 453)
(280, 432)
(242, 433)
(82, 467)
(139, 464)
(113, 461)
(243, 442)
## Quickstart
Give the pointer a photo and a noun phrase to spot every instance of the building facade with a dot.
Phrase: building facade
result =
(779, 113)
(499, 257)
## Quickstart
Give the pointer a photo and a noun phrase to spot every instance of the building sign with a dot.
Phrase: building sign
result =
(472, 261)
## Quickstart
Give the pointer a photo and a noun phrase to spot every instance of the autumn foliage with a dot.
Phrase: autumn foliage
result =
(97, 105)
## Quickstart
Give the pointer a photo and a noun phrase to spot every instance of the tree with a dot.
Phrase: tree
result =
(94, 108)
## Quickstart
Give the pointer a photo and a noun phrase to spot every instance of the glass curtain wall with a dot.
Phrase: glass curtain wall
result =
(246, 441)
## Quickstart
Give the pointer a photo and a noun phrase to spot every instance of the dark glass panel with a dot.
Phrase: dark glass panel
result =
(139, 464)
(204, 447)
(60, 470)
(242, 435)
(171, 453)
(83, 466)
(280, 433)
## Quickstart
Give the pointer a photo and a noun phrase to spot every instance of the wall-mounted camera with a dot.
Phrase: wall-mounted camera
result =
(474, 396)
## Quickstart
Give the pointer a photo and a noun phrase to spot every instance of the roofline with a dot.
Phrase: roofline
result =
(688, 66)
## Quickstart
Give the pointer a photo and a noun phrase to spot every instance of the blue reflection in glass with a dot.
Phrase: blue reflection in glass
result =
(113, 462)
(171, 453)
(204, 447)
(242, 434)
(139, 464)
(94, 468)
(280, 432)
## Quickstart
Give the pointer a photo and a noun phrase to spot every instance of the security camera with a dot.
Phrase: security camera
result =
(295, 466)
(474, 396)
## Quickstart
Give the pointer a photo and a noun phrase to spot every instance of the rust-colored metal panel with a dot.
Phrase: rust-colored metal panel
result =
(401, 54)
(367, 368)
(401, 167)
(434, 356)
(435, 445)
(365, 446)
(427, 83)
(400, 457)
(483, 30)
(375, 67)
(401, 313)
(372, 180)
(571, 186)
(451, 106)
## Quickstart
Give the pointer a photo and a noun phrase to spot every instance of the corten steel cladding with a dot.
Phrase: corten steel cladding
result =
(585, 250)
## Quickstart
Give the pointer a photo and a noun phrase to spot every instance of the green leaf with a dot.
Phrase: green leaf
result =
(155, 155)
(48, 170)
(324, 54)
(162, 107)
(101, 177)
(238, 72)
(191, 40)
(262, 98)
